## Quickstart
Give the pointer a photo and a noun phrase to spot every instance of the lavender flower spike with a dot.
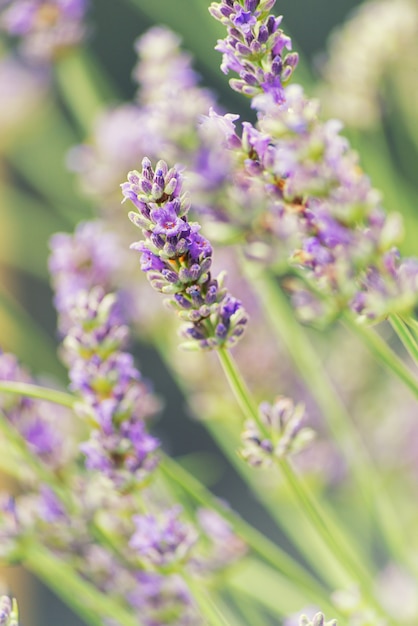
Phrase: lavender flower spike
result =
(177, 258)
(254, 47)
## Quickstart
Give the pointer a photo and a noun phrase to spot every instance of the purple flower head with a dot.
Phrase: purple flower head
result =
(164, 540)
(177, 258)
(51, 509)
(223, 547)
(45, 28)
(80, 261)
(254, 48)
(163, 599)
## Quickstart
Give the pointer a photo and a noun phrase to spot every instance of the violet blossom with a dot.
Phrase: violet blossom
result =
(319, 206)
(44, 28)
(254, 47)
(177, 258)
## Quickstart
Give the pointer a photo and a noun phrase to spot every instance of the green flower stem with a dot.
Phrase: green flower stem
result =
(330, 534)
(405, 335)
(173, 471)
(413, 324)
(289, 332)
(90, 604)
(208, 608)
(262, 546)
(32, 339)
(51, 136)
(382, 352)
(240, 389)
(77, 86)
(38, 392)
(282, 510)
(333, 538)
(17, 444)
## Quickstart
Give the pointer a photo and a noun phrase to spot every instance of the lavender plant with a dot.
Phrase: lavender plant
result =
(99, 511)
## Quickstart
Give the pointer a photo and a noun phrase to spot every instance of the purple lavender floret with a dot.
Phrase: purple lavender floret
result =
(44, 28)
(164, 540)
(177, 258)
(254, 47)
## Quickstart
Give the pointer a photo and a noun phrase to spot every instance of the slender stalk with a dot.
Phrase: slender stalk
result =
(405, 335)
(329, 533)
(289, 331)
(262, 546)
(413, 324)
(208, 608)
(78, 89)
(91, 605)
(382, 352)
(309, 507)
(258, 542)
(18, 445)
(38, 392)
(240, 389)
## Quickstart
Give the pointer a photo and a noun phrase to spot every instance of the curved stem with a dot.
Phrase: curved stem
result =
(258, 542)
(91, 605)
(332, 537)
(290, 333)
(38, 392)
(382, 352)
(405, 335)
(78, 89)
(208, 608)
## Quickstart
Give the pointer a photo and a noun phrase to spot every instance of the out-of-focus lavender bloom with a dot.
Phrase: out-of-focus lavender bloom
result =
(164, 540)
(161, 122)
(254, 48)
(114, 399)
(284, 435)
(36, 420)
(223, 548)
(80, 261)
(338, 235)
(368, 50)
(177, 258)
(45, 29)
(8, 612)
(22, 92)
(164, 599)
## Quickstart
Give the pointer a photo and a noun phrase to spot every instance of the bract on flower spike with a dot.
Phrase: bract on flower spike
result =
(177, 258)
